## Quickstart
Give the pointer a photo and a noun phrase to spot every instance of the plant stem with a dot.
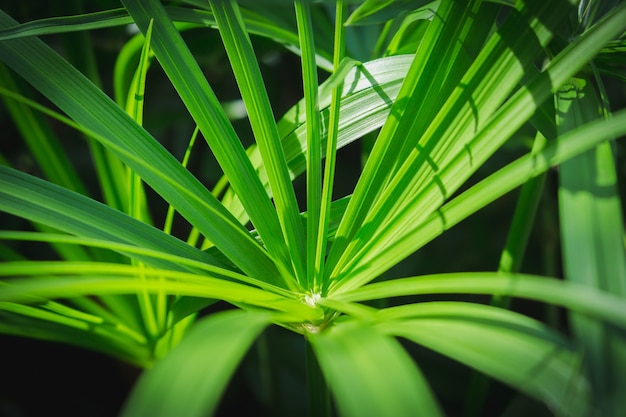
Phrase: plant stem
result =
(317, 390)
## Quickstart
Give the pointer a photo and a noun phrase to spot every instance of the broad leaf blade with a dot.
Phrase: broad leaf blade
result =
(507, 346)
(370, 374)
(192, 378)
(592, 235)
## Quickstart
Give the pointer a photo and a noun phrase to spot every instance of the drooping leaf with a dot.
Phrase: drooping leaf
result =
(192, 378)
(505, 345)
(370, 374)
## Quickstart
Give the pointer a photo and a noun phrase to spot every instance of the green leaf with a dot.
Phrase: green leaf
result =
(507, 346)
(368, 91)
(65, 279)
(314, 142)
(42, 143)
(326, 205)
(109, 337)
(283, 226)
(450, 172)
(49, 204)
(380, 11)
(496, 185)
(192, 378)
(592, 235)
(370, 374)
(582, 299)
(523, 218)
(430, 80)
(257, 23)
(92, 109)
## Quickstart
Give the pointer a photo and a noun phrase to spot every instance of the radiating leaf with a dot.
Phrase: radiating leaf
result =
(89, 106)
(466, 158)
(285, 239)
(370, 374)
(575, 297)
(191, 379)
(46, 203)
(65, 279)
(380, 11)
(505, 345)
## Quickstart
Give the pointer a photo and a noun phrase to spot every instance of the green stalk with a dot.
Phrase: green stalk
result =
(317, 389)
(169, 218)
(152, 310)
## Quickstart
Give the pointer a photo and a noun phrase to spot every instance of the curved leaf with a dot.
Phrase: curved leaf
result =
(190, 380)
(575, 297)
(505, 345)
(65, 279)
(370, 374)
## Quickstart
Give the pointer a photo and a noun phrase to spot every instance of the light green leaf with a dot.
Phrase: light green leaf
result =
(592, 235)
(505, 345)
(282, 232)
(91, 108)
(65, 279)
(417, 103)
(370, 374)
(42, 143)
(191, 379)
(256, 22)
(380, 11)
(368, 91)
(575, 297)
(437, 186)
(46, 203)
(110, 338)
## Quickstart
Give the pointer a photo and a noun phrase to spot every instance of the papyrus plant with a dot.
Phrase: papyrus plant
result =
(446, 85)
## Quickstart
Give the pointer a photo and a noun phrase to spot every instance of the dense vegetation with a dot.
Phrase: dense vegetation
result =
(354, 208)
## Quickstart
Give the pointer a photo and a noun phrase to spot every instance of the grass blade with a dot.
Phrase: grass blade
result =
(368, 92)
(331, 149)
(503, 124)
(575, 297)
(70, 279)
(110, 338)
(506, 179)
(415, 106)
(46, 203)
